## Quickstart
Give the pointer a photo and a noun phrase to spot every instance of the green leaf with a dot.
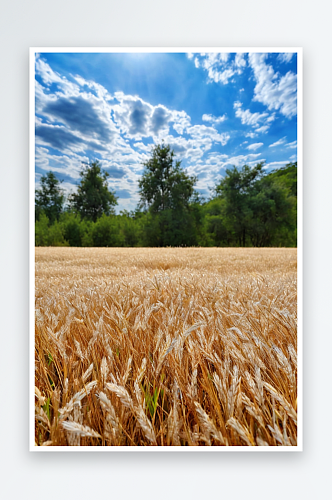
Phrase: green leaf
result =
(46, 408)
(49, 359)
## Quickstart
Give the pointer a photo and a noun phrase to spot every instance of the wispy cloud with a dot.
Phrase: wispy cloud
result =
(261, 122)
(256, 145)
(273, 90)
(278, 143)
(285, 57)
(292, 145)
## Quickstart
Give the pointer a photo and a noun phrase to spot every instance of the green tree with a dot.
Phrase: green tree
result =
(272, 211)
(286, 177)
(56, 237)
(236, 190)
(106, 232)
(49, 198)
(71, 228)
(254, 208)
(166, 192)
(93, 198)
(214, 225)
(41, 230)
(130, 228)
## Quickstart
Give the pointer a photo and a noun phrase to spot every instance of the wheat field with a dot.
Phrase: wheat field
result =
(166, 347)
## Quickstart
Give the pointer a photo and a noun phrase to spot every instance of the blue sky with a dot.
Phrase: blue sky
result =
(214, 109)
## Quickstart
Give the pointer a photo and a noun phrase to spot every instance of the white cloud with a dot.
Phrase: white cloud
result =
(64, 165)
(248, 118)
(274, 91)
(49, 76)
(240, 61)
(252, 135)
(221, 67)
(143, 147)
(216, 161)
(214, 119)
(240, 160)
(181, 121)
(199, 132)
(224, 56)
(278, 143)
(81, 118)
(292, 145)
(293, 158)
(138, 118)
(256, 145)
(285, 57)
(132, 115)
(263, 129)
(275, 164)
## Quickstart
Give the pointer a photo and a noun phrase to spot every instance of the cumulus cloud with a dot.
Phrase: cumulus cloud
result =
(57, 137)
(201, 132)
(181, 121)
(80, 120)
(160, 118)
(143, 147)
(220, 67)
(256, 145)
(80, 114)
(278, 143)
(132, 115)
(273, 90)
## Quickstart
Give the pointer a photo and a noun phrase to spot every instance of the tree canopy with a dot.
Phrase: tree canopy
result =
(166, 192)
(93, 197)
(254, 208)
(248, 207)
(49, 199)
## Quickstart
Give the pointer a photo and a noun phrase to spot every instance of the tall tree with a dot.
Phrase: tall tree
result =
(49, 198)
(236, 189)
(93, 198)
(166, 192)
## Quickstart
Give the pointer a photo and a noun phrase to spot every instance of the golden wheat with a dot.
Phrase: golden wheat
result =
(166, 347)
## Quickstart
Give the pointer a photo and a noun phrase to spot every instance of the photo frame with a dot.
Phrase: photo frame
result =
(73, 117)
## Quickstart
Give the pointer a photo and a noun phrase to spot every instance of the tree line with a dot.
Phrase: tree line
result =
(247, 207)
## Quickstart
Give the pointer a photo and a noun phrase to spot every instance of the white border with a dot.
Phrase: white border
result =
(185, 449)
